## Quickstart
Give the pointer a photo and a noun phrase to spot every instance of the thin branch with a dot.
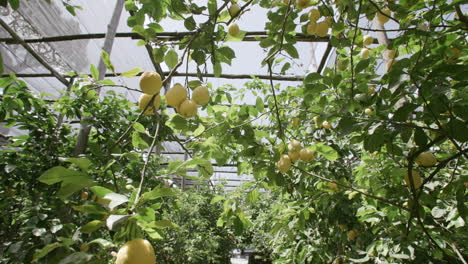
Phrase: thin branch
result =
(278, 117)
(352, 49)
(143, 171)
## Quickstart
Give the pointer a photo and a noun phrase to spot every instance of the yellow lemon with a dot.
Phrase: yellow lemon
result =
(341, 65)
(368, 111)
(367, 40)
(136, 251)
(426, 159)
(417, 180)
(188, 108)
(144, 101)
(371, 90)
(294, 146)
(284, 164)
(306, 155)
(384, 18)
(312, 28)
(234, 30)
(201, 95)
(176, 95)
(352, 235)
(150, 82)
(293, 156)
(302, 3)
(365, 52)
(234, 10)
(333, 186)
(322, 29)
(326, 124)
(295, 121)
(314, 15)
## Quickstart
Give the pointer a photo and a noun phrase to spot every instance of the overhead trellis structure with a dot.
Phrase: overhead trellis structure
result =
(160, 38)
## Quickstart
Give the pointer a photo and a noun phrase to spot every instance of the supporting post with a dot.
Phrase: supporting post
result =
(85, 128)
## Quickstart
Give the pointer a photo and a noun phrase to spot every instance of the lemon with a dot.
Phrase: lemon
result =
(371, 90)
(365, 52)
(284, 164)
(306, 155)
(341, 65)
(352, 235)
(417, 180)
(312, 28)
(150, 82)
(368, 111)
(136, 251)
(426, 159)
(176, 95)
(188, 108)
(314, 15)
(234, 10)
(84, 196)
(201, 95)
(367, 40)
(326, 125)
(302, 3)
(144, 101)
(234, 30)
(382, 18)
(294, 146)
(295, 122)
(333, 186)
(293, 156)
(322, 29)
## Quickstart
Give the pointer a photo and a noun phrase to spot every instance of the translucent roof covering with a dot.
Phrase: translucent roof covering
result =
(38, 19)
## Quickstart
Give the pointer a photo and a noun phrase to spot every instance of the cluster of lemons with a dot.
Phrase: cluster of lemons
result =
(234, 29)
(425, 159)
(177, 98)
(151, 83)
(318, 28)
(295, 152)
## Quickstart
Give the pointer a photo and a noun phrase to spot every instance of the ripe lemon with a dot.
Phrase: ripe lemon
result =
(188, 108)
(201, 95)
(284, 164)
(365, 52)
(150, 82)
(352, 235)
(84, 196)
(371, 90)
(306, 155)
(176, 95)
(302, 3)
(136, 251)
(312, 28)
(426, 159)
(144, 101)
(417, 180)
(333, 186)
(293, 156)
(367, 40)
(314, 15)
(368, 111)
(341, 65)
(322, 29)
(326, 125)
(295, 121)
(234, 30)
(294, 146)
(382, 18)
(234, 10)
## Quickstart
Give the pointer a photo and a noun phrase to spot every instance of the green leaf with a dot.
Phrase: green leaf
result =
(73, 185)
(45, 250)
(132, 73)
(326, 151)
(212, 7)
(106, 59)
(217, 69)
(90, 209)
(171, 58)
(164, 224)
(58, 174)
(458, 130)
(14, 4)
(139, 127)
(138, 142)
(259, 104)
(190, 23)
(102, 242)
(100, 192)
(94, 72)
(291, 50)
(82, 163)
(91, 226)
(200, 129)
(217, 198)
(158, 193)
(115, 199)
